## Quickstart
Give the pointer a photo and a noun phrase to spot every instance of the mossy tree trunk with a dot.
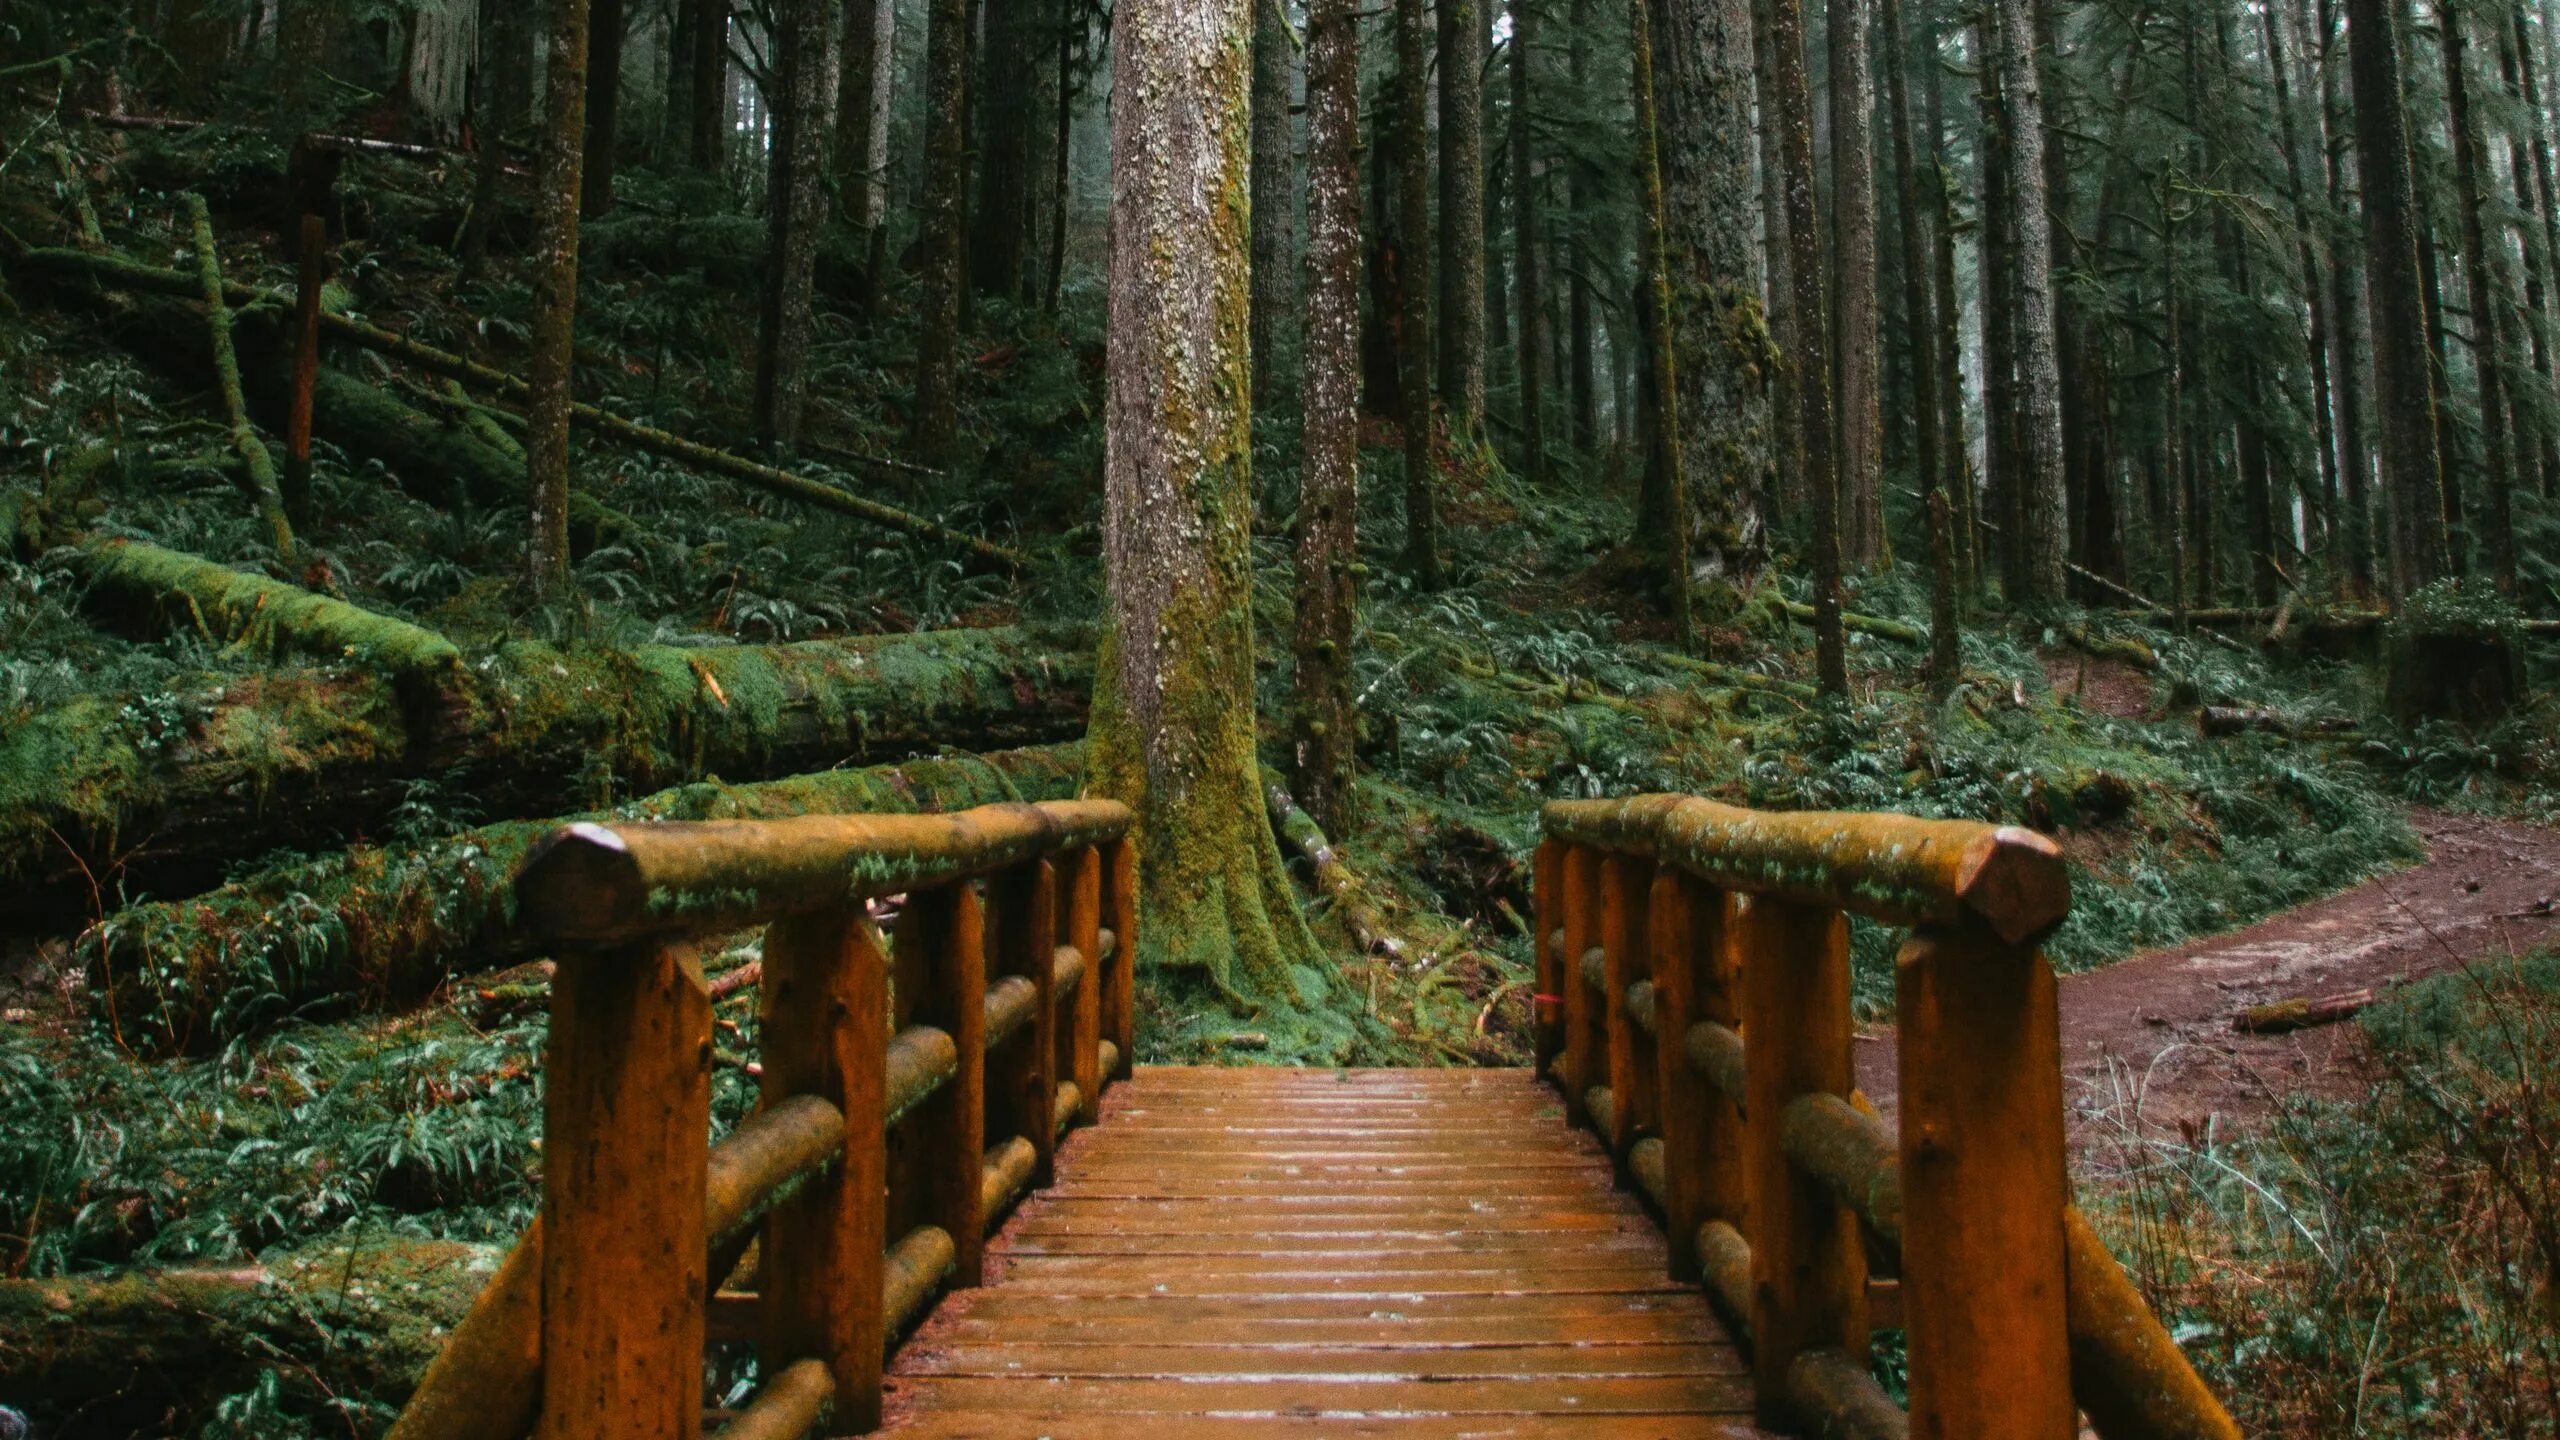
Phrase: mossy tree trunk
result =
(1462, 326)
(2039, 489)
(1727, 360)
(1173, 730)
(1274, 178)
(797, 200)
(1326, 723)
(555, 302)
(1792, 113)
(1669, 465)
(1855, 363)
(937, 417)
(1411, 124)
(1920, 333)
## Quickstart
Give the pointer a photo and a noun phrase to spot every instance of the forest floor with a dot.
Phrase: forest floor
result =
(2149, 1043)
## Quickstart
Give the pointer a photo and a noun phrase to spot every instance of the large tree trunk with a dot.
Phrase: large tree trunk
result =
(1412, 286)
(1274, 183)
(1965, 536)
(1779, 285)
(2277, 21)
(863, 94)
(1661, 347)
(1461, 270)
(1793, 116)
(1005, 93)
(555, 303)
(384, 928)
(1325, 724)
(604, 105)
(1920, 334)
(2352, 550)
(2486, 290)
(1524, 236)
(1854, 336)
(1578, 187)
(2413, 488)
(707, 97)
(939, 239)
(1173, 728)
(1726, 358)
(796, 199)
(2039, 379)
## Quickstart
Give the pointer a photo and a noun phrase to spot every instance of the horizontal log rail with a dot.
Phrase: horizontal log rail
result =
(1693, 960)
(913, 1087)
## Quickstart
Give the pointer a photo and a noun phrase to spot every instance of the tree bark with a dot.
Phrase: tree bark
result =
(1726, 356)
(863, 94)
(2395, 303)
(2485, 289)
(2535, 419)
(1920, 334)
(1461, 267)
(1525, 260)
(796, 202)
(1325, 725)
(1274, 183)
(1996, 256)
(1580, 324)
(1855, 360)
(2354, 545)
(1793, 116)
(555, 303)
(1661, 345)
(604, 106)
(940, 239)
(1173, 729)
(1958, 455)
(1005, 89)
(501, 94)
(2277, 22)
(2039, 380)
(708, 96)
(1413, 289)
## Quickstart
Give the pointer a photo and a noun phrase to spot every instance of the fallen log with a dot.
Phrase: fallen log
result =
(159, 794)
(1299, 835)
(383, 928)
(258, 478)
(2122, 649)
(2302, 1012)
(149, 1352)
(2215, 721)
(1875, 625)
(118, 271)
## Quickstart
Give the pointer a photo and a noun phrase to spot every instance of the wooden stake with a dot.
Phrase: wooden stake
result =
(825, 1028)
(1625, 885)
(626, 1130)
(942, 981)
(1585, 1056)
(1022, 1076)
(1080, 925)
(1120, 913)
(1693, 980)
(1546, 897)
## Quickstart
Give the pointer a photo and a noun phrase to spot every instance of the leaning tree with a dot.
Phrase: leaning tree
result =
(1173, 731)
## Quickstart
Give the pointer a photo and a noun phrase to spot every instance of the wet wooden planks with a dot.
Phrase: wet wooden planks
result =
(1260, 1254)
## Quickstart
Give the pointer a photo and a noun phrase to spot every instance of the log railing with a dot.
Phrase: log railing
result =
(911, 1090)
(1695, 960)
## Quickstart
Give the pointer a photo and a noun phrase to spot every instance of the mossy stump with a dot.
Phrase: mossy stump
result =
(2453, 654)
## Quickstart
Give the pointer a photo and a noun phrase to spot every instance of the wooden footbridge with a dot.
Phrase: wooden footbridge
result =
(1686, 1236)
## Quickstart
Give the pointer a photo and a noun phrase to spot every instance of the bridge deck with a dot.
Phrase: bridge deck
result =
(1265, 1253)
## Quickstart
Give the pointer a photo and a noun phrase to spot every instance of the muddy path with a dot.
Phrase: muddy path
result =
(2152, 1036)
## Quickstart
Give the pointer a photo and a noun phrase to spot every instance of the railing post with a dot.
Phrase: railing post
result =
(1808, 1261)
(1586, 1055)
(1022, 1079)
(825, 1033)
(626, 1146)
(1120, 914)
(1626, 885)
(1080, 925)
(1546, 907)
(1984, 1183)
(942, 982)
(1693, 980)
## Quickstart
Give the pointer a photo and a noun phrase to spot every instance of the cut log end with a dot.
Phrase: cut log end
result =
(2015, 880)
(576, 876)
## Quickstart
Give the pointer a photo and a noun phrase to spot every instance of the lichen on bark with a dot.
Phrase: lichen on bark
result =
(1173, 731)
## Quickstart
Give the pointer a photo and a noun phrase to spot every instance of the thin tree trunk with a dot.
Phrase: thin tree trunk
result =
(1578, 198)
(2449, 453)
(1996, 248)
(1920, 334)
(1524, 234)
(863, 94)
(2039, 378)
(2277, 21)
(504, 89)
(1413, 340)
(604, 106)
(2534, 405)
(1950, 396)
(1855, 334)
(1003, 90)
(796, 202)
(1793, 116)
(2395, 300)
(2485, 289)
(1173, 732)
(1462, 39)
(1062, 183)
(709, 93)
(1274, 181)
(1325, 725)
(1660, 347)
(555, 303)
(940, 238)
(2173, 418)
(1778, 286)
(2354, 562)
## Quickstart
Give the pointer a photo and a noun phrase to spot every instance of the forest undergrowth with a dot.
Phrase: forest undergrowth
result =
(301, 1115)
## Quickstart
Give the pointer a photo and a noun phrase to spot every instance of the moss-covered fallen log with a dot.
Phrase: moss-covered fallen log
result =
(385, 927)
(159, 794)
(123, 273)
(142, 1352)
(258, 477)
(169, 588)
(1875, 625)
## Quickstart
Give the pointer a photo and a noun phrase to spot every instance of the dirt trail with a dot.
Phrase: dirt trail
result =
(2158, 1026)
